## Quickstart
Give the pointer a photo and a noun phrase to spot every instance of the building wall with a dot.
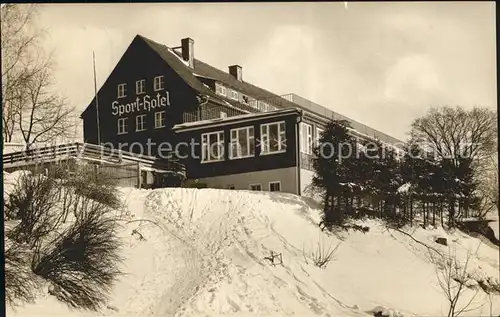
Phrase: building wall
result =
(196, 169)
(138, 62)
(306, 177)
(242, 181)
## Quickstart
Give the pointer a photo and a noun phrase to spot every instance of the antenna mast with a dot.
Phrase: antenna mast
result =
(96, 104)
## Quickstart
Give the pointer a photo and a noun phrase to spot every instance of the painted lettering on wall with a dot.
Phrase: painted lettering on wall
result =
(145, 103)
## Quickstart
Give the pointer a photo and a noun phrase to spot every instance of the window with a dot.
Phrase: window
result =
(319, 132)
(263, 106)
(159, 83)
(122, 90)
(140, 86)
(275, 186)
(159, 119)
(260, 105)
(273, 138)
(245, 100)
(220, 90)
(223, 114)
(212, 146)
(233, 94)
(306, 138)
(140, 123)
(122, 125)
(242, 143)
(256, 187)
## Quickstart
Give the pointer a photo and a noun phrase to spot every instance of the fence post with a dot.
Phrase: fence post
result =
(139, 176)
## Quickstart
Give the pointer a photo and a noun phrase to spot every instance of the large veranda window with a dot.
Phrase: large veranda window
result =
(306, 138)
(273, 137)
(319, 133)
(212, 145)
(242, 143)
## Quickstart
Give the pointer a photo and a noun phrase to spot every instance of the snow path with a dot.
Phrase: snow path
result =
(221, 239)
(201, 253)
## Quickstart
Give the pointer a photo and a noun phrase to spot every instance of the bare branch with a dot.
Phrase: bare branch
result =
(32, 110)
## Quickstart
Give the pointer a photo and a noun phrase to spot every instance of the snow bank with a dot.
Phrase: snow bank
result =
(193, 252)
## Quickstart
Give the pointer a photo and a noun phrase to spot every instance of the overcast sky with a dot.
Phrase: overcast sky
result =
(383, 64)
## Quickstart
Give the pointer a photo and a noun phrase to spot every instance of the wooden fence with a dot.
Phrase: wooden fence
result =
(126, 167)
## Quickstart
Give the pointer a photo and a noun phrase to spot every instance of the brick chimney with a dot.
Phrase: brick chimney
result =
(236, 72)
(187, 47)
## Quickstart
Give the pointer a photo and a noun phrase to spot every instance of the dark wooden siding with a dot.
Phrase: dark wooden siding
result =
(139, 62)
(196, 169)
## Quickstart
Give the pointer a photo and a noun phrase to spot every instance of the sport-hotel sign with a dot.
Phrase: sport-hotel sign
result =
(145, 103)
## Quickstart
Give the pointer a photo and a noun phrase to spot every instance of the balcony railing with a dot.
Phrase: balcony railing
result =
(263, 106)
(359, 127)
(209, 112)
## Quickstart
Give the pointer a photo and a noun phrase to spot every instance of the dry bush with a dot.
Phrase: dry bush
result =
(79, 255)
(322, 255)
(96, 186)
(89, 182)
(82, 262)
(20, 283)
(32, 203)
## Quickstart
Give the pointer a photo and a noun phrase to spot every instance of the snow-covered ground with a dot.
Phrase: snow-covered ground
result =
(201, 253)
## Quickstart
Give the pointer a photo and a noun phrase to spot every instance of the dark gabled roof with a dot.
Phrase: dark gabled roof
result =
(178, 65)
(205, 70)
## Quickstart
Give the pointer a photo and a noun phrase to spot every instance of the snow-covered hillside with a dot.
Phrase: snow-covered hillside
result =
(201, 253)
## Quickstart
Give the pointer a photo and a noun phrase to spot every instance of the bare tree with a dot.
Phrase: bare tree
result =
(455, 133)
(32, 110)
(42, 114)
(488, 188)
(17, 45)
(453, 280)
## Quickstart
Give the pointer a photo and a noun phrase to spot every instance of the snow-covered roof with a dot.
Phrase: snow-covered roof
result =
(404, 188)
(177, 55)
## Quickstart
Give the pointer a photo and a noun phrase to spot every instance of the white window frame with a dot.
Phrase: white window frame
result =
(159, 117)
(142, 123)
(260, 105)
(306, 142)
(272, 183)
(265, 145)
(122, 126)
(205, 144)
(255, 184)
(159, 83)
(122, 90)
(220, 90)
(318, 134)
(233, 94)
(140, 87)
(267, 107)
(235, 140)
